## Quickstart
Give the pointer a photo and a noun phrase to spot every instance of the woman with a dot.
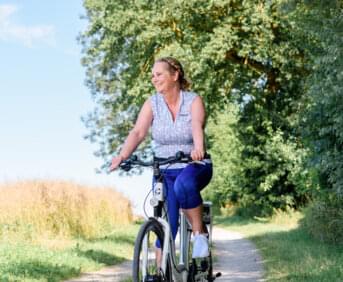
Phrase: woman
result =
(177, 119)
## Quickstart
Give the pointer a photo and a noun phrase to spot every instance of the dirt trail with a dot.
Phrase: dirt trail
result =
(235, 257)
(115, 273)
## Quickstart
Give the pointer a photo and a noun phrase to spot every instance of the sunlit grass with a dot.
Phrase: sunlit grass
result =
(58, 208)
(24, 261)
(54, 230)
(289, 253)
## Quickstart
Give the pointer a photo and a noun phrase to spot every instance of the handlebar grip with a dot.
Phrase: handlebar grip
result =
(133, 158)
(179, 155)
(125, 166)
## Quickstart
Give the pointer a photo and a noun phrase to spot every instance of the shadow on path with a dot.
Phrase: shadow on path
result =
(101, 257)
(109, 274)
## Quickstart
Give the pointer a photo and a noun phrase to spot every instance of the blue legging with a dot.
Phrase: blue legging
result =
(182, 188)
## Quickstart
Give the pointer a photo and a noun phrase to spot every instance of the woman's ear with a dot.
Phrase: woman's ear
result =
(176, 76)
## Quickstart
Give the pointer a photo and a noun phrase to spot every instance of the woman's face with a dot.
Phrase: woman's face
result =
(162, 79)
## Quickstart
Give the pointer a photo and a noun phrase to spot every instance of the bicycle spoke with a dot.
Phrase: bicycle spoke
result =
(147, 256)
(146, 267)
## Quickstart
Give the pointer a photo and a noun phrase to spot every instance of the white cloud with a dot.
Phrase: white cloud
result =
(27, 35)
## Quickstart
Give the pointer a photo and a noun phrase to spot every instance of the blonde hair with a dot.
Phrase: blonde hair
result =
(173, 66)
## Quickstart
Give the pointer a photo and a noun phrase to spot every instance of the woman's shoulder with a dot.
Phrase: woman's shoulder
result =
(189, 93)
(189, 96)
(154, 101)
(155, 96)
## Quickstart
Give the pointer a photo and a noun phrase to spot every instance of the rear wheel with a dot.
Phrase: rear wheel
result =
(145, 266)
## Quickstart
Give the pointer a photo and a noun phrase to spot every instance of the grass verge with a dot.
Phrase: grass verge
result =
(54, 230)
(59, 259)
(288, 252)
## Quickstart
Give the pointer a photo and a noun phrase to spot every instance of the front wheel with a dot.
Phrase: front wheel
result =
(145, 266)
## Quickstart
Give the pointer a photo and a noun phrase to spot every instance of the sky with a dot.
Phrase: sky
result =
(43, 97)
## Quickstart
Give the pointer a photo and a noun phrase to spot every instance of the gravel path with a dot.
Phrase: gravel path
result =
(115, 273)
(235, 257)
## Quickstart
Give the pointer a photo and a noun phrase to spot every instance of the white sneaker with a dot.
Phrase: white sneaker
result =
(200, 246)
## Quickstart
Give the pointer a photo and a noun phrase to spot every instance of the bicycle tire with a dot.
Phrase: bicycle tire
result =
(144, 267)
(210, 276)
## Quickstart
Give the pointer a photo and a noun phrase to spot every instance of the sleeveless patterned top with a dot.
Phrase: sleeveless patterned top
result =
(171, 136)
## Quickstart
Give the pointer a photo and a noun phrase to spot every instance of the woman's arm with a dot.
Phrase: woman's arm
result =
(136, 135)
(198, 123)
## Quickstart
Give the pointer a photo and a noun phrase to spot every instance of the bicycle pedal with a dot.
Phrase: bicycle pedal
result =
(218, 274)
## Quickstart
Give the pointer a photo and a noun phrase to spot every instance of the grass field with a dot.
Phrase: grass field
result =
(32, 209)
(51, 231)
(55, 260)
(288, 252)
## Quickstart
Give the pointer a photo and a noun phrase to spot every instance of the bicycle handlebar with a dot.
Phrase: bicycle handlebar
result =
(179, 157)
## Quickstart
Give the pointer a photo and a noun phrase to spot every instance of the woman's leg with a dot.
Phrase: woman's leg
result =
(158, 253)
(172, 207)
(194, 216)
(187, 189)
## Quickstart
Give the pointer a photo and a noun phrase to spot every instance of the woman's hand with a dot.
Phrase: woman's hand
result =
(197, 154)
(116, 161)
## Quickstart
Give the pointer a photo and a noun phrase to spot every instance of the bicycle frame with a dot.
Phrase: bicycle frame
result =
(177, 269)
(180, 272)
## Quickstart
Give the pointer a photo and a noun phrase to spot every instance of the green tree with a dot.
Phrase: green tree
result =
(225, 187)
(231, 48)
(320, 23)
(324, 117)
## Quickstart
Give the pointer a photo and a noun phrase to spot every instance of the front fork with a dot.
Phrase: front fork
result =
(184, 240)
(181, 273)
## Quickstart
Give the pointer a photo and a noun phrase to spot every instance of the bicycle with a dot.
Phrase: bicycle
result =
(173, 266)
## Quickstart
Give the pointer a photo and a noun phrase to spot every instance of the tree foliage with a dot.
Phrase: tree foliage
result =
(320, 23)
(324, 115)
(225, 187)
(240, 50)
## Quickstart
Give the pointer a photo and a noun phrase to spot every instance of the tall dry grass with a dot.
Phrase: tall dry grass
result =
(60, 208)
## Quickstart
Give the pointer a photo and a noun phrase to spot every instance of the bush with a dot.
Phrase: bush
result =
(324, 219)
